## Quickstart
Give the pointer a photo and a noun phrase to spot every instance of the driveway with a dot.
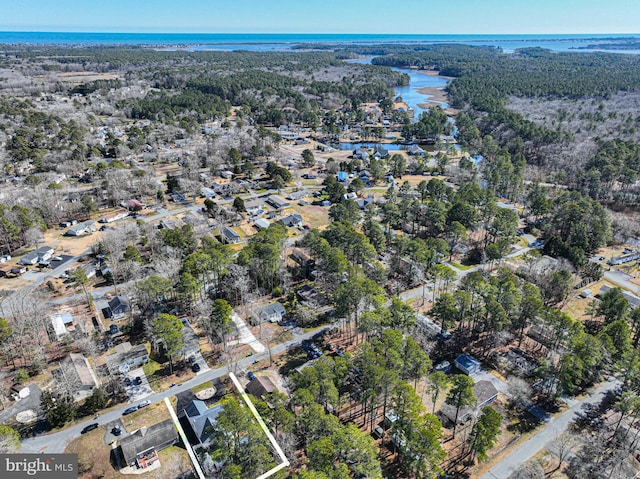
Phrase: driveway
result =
(109, 437)
(31, 402)
(140, 391)
(245, 336)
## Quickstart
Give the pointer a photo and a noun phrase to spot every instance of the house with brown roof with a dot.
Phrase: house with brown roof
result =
(260, 385)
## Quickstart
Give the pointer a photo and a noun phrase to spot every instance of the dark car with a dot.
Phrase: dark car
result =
(116, 430)
(192, 360)
(130, 410)
(90, 427)
(137, 381)
(195, 367)
(113, 329)
(127, 381)
(251, 375)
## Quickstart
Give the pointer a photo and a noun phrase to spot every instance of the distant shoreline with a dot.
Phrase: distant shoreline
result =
(283, 41)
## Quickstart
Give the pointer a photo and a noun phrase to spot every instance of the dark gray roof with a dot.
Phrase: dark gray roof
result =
(292, 220)
(158, 436)
(118, 305)
(201, 417)
(229, 233)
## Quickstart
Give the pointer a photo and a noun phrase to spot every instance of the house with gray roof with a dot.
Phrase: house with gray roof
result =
(230, 236)
(278, 202)
(200, 418)
(127, 357)
(140, 449)
(86, 227)
(273, 313)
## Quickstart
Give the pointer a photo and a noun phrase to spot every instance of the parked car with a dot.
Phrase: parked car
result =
(57, 258)
(137, 381)
(90, 427)
(127, 381)
(130, 410)
(144, 403)
(195, 367)
(113, 329)
(378, 432)
(116, 430)
(192, 360)
(251, 375)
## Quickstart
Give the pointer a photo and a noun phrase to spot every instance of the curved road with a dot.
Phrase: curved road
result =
(57, 442)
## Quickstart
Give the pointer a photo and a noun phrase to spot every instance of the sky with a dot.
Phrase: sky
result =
(323, 16)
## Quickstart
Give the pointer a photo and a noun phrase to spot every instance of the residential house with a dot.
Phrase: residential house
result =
(303, 258)
(140, 448)
(467, 364)
(297, 195)
(43, 253)
(485, 393)
(309, 293)
(360, 154)
(254, 207)
(272, 313)
(62, 324)
(127, 357)
(625, 258)
(261, 223)
(77, 373)
(117, 309)
(86, 227)
(379, 152)
(207, 192)
(364, 202)
(133, 205)
(200, 418)
(292, 220)
(415, 150)
(260, 386)
(115, 216)
(230, 236)
(278, 202)
(633, 300)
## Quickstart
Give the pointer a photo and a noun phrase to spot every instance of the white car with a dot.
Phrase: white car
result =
(144, 403)
(57, 258)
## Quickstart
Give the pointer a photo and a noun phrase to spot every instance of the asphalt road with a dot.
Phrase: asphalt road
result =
(57, 442)
(554, 427)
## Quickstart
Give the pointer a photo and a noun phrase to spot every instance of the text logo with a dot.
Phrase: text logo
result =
(36, 466)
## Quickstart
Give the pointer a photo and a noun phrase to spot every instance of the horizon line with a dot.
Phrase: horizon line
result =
(308, 33)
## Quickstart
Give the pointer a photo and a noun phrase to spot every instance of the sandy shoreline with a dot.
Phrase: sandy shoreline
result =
(436, 94)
